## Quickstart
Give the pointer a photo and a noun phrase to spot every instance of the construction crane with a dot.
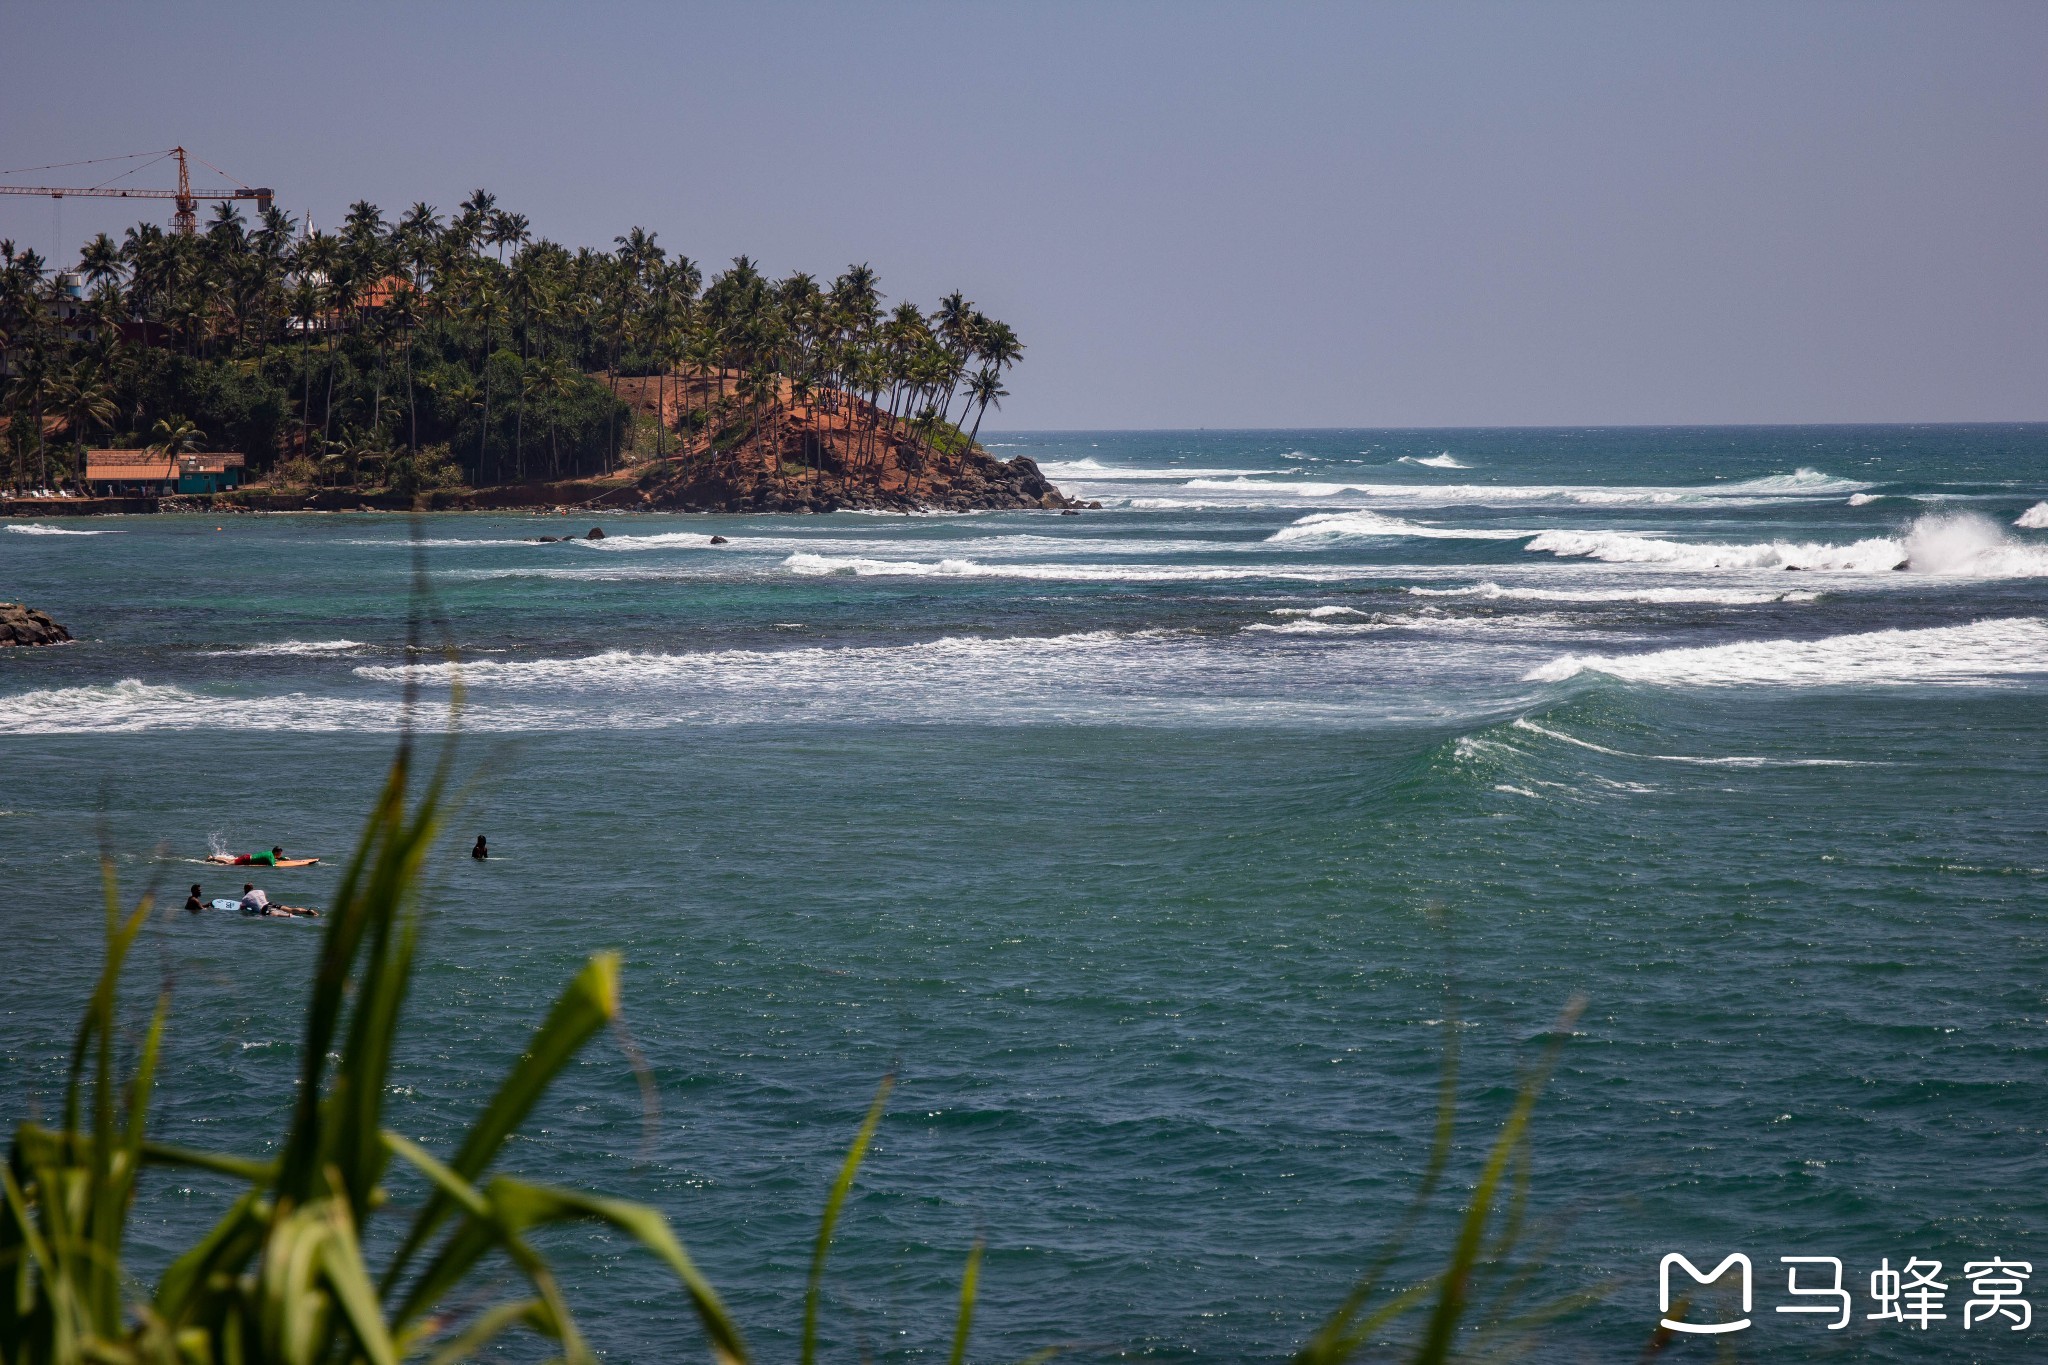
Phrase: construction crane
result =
(184, 219)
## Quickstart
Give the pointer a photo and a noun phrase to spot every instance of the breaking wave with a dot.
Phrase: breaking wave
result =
(1797, 486)
(1090, 468)
(31, 529)
(1714, 596)
(1963, 544)
(1442, 460)
(774, 668)
(664, 540)
(817, 565)
(1343, 525)
(2035, 518)
(132, 705)
(287, 648)
(1940, 655)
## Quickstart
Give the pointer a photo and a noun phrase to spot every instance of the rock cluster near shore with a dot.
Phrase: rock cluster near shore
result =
(24, 625)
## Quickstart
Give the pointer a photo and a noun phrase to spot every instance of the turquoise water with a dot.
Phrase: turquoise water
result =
(1117, 837)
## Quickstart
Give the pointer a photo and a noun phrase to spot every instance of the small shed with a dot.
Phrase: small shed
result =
(130, 473)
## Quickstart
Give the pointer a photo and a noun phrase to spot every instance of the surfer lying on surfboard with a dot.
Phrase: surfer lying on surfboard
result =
(274, 858)
(254, 902)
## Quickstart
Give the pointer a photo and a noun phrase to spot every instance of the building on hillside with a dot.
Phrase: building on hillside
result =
(373, 296)
(210, 472)
(150, 473)
(130, 473)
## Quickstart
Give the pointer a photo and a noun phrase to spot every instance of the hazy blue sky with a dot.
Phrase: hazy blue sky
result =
(1198, 214)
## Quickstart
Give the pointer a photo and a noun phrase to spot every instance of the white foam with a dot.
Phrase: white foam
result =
(618, 668)
(817, 565)
(286, 648)
(1795, 487)
(1348, 525)
(1093, 470)
(1441, 460)
(1306, 626)
(664, 540)
(1629, 547)
(1957, 543)
(1863, 499)
(1319, 613)
(1940, 655)
(131, 705)
(2035, 518)
(1429, 619)
(32, 529)
(1715, 596)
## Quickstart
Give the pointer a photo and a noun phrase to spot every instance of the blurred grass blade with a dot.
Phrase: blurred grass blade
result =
(490, 1325)
(522, 1205)
(341, 1267)
(1451, 1299)
(854, 1155)
(589, 1002)
(259, 1173)
(970, 1282)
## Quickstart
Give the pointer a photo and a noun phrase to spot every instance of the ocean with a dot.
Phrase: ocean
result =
(1156, 851)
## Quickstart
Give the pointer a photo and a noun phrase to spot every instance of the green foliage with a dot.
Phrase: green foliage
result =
(426, 470)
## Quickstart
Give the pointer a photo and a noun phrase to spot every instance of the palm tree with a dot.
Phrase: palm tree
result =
(174, 436)
(86, 401)
(986, 391)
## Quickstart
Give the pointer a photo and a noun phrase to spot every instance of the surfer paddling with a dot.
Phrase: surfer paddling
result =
(274, 858)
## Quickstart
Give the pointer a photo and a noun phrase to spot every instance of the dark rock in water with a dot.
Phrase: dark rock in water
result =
(1791, 568)
(1070, 512)
(546, 540)
(596, 533)
(720, 540)
(23, 625)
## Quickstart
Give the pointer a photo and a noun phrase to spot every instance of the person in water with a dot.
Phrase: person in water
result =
(480, 852)
(254, 902)
(193, 902)
(270, 859)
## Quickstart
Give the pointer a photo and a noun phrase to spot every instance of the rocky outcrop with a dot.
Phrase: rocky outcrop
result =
(20, 625)
(804, 458)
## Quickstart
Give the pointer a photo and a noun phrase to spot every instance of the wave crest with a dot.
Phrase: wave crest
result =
(1963, 544)
(1940, 655)
(1346, 525)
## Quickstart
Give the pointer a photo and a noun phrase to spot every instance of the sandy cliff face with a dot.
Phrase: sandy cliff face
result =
(818, 456)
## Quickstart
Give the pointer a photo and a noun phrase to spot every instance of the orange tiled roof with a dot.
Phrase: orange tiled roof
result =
(129, 465)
